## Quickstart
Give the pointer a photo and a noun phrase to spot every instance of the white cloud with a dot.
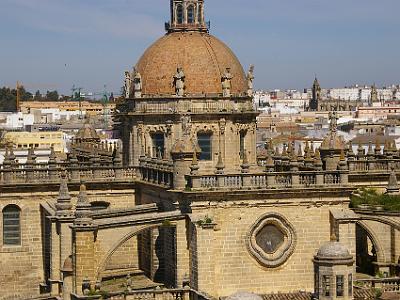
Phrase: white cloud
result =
(84, 18)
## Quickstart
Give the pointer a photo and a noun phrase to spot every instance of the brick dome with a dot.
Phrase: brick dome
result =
(203, 59)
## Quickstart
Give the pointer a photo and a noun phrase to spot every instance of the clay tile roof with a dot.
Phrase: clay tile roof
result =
(202, 57)
(359, 294)
(289, 296)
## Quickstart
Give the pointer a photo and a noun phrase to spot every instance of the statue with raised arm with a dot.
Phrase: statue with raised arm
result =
(226, 83)
(250, 79)
(179, 82)
(127, 84)
(137, 83)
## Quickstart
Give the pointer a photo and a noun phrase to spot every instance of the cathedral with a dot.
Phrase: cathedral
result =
(182, 207)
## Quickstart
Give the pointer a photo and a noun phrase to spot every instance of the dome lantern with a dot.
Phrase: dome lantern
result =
(187, 15)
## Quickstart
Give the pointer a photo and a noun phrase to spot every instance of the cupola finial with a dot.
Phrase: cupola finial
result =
(187, 16)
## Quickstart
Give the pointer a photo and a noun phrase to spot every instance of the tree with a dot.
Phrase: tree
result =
(8, 99)
(52, 96)
(38, 96)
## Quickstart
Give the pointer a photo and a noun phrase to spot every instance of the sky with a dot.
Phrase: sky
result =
(55, 44)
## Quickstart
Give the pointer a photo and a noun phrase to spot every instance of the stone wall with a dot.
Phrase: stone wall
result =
(125, 257)
(28, 265)
(22, 266)
(222, 257)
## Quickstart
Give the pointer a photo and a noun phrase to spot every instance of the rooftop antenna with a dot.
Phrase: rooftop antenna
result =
(76, 95)
(18, 99)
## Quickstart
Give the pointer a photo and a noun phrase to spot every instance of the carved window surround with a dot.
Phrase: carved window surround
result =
(271, 240)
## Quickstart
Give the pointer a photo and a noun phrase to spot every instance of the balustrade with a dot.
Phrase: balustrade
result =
(41, 173)
(267, 180)
(384, 284)
(195, 106)
(160, 294)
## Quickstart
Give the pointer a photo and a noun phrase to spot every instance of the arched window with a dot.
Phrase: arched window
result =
(190, 14)
(179, 14)
(204, 140)
(11, 225)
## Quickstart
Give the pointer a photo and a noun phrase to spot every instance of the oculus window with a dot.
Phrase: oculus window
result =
(271, 240)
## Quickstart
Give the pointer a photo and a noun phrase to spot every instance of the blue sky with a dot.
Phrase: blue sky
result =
(53, 44)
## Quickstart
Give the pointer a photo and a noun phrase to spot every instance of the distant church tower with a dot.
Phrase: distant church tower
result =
(374, 95)
(187, 15)
(316, 95)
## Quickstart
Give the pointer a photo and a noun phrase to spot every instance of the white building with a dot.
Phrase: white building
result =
(16, 121)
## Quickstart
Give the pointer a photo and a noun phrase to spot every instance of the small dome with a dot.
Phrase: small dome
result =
(333, 250)
(244, 296)
(87, 132)
(202, 57)
(67, 266)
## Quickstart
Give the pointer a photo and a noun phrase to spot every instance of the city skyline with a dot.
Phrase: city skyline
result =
(53, 45)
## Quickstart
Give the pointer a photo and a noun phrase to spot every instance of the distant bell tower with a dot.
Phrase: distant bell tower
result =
(187, 15)
(316, 95)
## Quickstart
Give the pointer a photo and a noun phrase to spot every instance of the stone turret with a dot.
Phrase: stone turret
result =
(83, 209)
(334, 272)
(332, 144)
(392, 187)
(63, 205)
(182, 156)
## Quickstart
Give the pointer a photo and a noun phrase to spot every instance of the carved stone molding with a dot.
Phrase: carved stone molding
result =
(271, 240)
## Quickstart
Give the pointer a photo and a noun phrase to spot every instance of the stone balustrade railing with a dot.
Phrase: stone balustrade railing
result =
(157, 171)
(180, 105)
(384, 284)
(267, 180)
(356, 164)
(43, 173)
(185, 293)
(373, 165)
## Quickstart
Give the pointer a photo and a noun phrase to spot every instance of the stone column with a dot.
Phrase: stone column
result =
(182, 259)
(136, 145)
(83, 249)
(222, 126)
(203, 273)
(55, 277)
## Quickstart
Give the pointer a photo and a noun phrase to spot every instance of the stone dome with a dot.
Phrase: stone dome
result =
(203, 59)
(333, 250)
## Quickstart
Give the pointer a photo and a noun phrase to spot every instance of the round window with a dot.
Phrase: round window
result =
(271, 240)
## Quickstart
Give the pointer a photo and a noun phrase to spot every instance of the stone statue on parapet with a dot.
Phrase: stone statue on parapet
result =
(250, 79)
(179, 82)
(226, 83)
(333, 118)
(127, 84)
(137, 83)
(186, 125)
